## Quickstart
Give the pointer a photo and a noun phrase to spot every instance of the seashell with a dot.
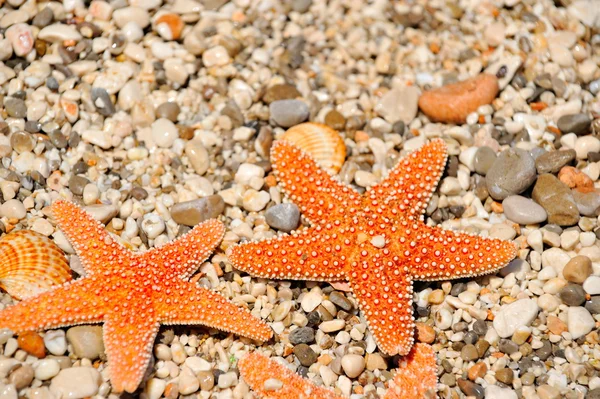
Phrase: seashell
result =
(31, 263)
(320, 141)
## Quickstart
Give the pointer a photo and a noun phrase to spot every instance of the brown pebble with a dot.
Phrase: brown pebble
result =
(425, 333)
(281, 92)
(505, 376)
(335, 120)
(207, 380)
(578, 269)
(21, 376)
(469, 352)
(436, 297)
(478, 370)
(32, 343)
(482, 346)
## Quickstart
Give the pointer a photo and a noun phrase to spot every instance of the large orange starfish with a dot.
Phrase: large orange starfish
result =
(415, 379)
(132, 294)
(377, 241)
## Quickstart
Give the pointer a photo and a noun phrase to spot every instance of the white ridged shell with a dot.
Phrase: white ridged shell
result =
(322, 142)
(31, 263)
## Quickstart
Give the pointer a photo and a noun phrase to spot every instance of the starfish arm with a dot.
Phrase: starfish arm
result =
(316, 253)
(417, 375)
(410, 184)
(272, 380)
(385, 295)
(185, 254)
(68, 304)
(314, 190)
(205, 307)
(87, 235)
(437, 254)
(128, 339)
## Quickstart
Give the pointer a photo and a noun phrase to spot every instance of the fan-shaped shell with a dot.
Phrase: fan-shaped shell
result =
(320, 141)
(31, 263)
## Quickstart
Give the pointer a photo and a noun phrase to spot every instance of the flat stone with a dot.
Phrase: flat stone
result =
(574, 123)
(512, 173)
(288, 113)
(553, 161)
(523, 210)
(86, 341)
(76, 383)
(556, 198)
(399, 104)
(514, 315)
(283, 217)
(190, 213)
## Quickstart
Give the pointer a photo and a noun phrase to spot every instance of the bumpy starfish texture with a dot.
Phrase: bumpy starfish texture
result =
(415, 379)
(132, 294)
(377, 241)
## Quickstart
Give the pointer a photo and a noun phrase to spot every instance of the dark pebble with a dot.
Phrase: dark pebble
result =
(593, 394)
(507, 346)
(574, 123)
(305, 354)
(470, 388)
(77, 184)
(139, 193)
(43, 18)
(545, 351)
(572, 295)
(168, 110)
(448, 379)
(512, 172)
(15, 107)
(58, 139)
(556, 198)
(80, 168)
(458, 288)
(593, 305)
(33, 126)
(469, 352)
(314, 319)
(340, 300)
(284, 217)
(460, 326)
(102, 101)
(302, 335)
(52, 83)
(552, 162)
(505, 376)
(480, 327)
(471, 338)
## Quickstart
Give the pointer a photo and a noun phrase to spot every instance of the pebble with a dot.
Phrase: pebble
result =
(484, 159)
(305, 354)
(574, 123)
(496, 392)
(572, 295)
(332, 325)
(76, 383)
(86, 341)
(191, 213)
(13, 209)
(548, 392)
(579, 321)
(280, 92)
(135, 15)
(32, 343)
(353, 365)
(55, 342)
(578, 269)
(168, 110)
(302, 335)
(288, 113)
(15, 107)
(505, 376)
(522, 210)
(471, 389)
(585, 145)
(556, 198)
(588, 204)
(591, 285)
(102, 101)
(207, 380)
(164, 133)
(511, 173)
(188, 383)
(340, 300)
(310, 301)
(283, 217)
(507, 346)
(21, 38)
(255, 201)
(47, 369)
(519, 313)
(399, 104)
(469, 353)
(197, 155)
(553, 161)
(216, 56)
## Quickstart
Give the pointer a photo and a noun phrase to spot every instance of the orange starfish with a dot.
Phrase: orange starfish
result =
(132, 294)
(415, 379)
(377, 241)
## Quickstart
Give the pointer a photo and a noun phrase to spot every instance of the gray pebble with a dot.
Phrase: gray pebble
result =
(556, 198)
(283, 217)
(168, 110)
(572, 295)
(480, 327)
(484, 159)
(288, 113)
(512, 173)
(77, 184)
(588, 204)
(471, 338)
(340, 300)
(522, 210)
(301, 6)
(58, 139)
(102, 101)
(545, 351)
(593, 305)
(190, 213)
(43, 18)
(15, 107)
(552, 162)
(574, 123)
(593, 394)
(507, 346)
(302, 335)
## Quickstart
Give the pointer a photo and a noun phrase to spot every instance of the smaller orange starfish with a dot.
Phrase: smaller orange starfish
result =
(132, 294)
(415, 379)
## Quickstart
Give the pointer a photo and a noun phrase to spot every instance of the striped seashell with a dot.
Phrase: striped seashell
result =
(31, 263)
(322, 142)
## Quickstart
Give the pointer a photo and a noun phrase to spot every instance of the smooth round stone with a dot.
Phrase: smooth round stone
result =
(59, 33)
(507, 346)
(302, 335)
(556, 198)
(102, 101)
(76, 383)
(484, 159)
(593, 305)
(340, 300)
(514, 315)
(471, 389)
(523, 210)
(305, 354)
(579, 321)
(22, 142)
(254, 200)
(13, 209)
(585, 145)
(136, 15)
(578, 269)
(496, 392)
(399, 104)
(55, 342)
(77, 184)
(187, 383)
(588, 204)
(164, 132)
(591, 285)
(574, 123)
(198, 156)
(505, 376)
(572, 295)
(15, 107)
(281, 92)
(311, 300)
(43, 17)
(86, 341)
(283, 217)
(191, 213)
(46, 369)
(469, 353)
(207, 380)
(553, 161)
(287, 113)
(353, 365)
(168, 110)
(511, 173)
(216, 56)
(21, 376)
